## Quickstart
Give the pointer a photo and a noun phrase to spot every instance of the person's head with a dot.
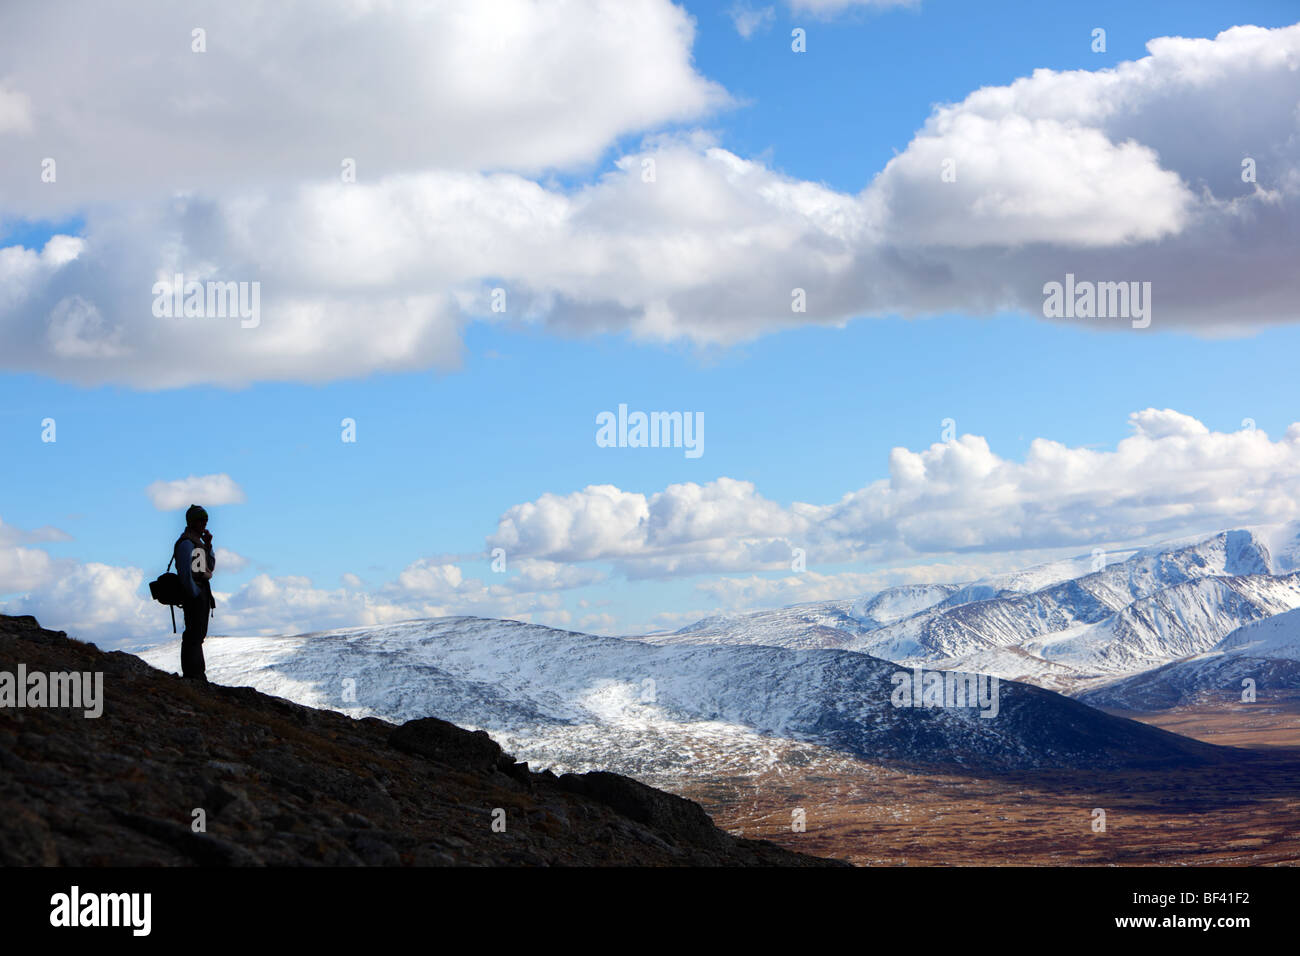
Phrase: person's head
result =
(196, 519)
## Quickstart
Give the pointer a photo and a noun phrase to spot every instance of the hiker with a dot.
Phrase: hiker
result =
(195, 563)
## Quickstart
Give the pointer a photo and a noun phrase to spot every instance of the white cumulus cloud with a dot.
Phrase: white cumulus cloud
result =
(286, 92)
(1131, 173)
(1171, 476)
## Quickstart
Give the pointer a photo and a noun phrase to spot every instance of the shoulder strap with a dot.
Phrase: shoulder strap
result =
(173, 557)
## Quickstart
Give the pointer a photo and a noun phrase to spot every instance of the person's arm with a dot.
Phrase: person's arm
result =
(184, 566)
(185, 552)
(206, 573)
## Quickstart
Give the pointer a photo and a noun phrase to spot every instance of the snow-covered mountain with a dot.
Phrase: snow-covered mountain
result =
(811, 685)
(1275, 638)
(826, 624)
(1265, 652)
(1065, 625)
(576, 701)
(896, 603)
(823, 624)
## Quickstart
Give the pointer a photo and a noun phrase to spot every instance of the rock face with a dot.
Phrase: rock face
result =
(178, 773)
(662, 811)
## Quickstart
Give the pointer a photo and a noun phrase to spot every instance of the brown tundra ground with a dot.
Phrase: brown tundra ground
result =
(1243, 811)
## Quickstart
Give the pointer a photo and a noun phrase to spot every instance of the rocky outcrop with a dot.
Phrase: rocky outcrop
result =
(665, 812)
(178, 773)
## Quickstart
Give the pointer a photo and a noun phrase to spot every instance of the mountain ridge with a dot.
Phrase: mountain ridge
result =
(575, 701)
(1068, 625)
(1265, 652)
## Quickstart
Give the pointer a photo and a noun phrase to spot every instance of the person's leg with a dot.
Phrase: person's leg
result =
(196, 629)
(187, 642)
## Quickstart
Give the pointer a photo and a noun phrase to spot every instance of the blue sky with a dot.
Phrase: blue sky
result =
(808, 414)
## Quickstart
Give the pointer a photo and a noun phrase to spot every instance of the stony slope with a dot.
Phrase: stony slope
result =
(283, 784)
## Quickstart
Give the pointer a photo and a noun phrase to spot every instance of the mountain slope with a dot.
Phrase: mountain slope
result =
(1266, 652)
(573, 700)
(1062, 625)
(951, 630)
(1179, 621)
(282, 784)
(822, 624)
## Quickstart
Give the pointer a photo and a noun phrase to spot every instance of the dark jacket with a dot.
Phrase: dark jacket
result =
(194, 585)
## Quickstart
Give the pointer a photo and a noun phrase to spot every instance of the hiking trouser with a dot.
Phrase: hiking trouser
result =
(196, 629)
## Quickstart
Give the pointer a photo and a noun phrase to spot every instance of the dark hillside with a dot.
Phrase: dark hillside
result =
(283, 784)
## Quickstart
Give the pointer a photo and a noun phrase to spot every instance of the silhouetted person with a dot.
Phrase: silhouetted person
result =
(195, 563)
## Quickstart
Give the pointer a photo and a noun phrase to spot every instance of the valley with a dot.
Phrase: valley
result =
(1232, 814)
(1161, 690)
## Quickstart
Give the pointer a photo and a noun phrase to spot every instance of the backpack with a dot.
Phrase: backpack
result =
(168, 589)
